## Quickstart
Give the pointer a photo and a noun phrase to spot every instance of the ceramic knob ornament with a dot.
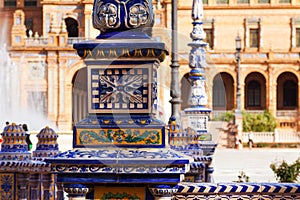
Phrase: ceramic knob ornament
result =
(122, 18)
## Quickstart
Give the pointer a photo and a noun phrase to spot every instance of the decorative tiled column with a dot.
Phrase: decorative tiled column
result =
(163, 192)
(60, 191)
(46, 183)
(18, 170)
(198, 111)
(23, 180)
(47, 146)
(121, 141)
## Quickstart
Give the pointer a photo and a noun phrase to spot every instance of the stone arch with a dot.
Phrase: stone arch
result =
(74, 75)
(287, 91)
(72, 26)
(79, 95)
(255, 91)
(223, 91)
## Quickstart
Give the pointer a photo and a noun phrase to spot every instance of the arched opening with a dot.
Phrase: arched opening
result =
(287, 91)
(255, 91)
(72, 27)
(185, 91)
(254, 94)
(79, 96)
(223, 92)
(290, 91)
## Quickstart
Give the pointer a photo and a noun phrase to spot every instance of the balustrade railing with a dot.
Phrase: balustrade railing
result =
(36, 41)
(286, 113)
(272, 137)
(43, 41)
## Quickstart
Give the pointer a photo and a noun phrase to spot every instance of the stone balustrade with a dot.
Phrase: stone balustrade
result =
(273, 137)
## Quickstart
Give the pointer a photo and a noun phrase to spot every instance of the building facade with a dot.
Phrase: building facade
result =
(40, 37)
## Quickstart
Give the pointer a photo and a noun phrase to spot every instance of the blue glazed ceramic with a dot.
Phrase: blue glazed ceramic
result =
(113, 17)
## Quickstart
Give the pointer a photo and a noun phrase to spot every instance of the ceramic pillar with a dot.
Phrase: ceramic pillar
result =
(60, 191)
(35, 185)
(46, 181)
(23, 186)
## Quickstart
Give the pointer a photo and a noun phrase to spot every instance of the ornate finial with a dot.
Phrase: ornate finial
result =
(51, 23)
(197, 10)
(47, 143)
(14, 146)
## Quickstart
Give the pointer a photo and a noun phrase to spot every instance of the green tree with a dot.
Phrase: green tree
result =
(285, 172)
(228, 116)
(262, 122)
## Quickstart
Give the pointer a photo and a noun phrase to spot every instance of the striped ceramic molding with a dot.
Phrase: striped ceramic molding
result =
(222, 188)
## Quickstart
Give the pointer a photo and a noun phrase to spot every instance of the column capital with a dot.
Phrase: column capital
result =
(76, 191)
(163, 192)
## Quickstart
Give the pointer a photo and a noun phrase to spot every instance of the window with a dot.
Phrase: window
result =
(263, 1)
(253, 30)
(254, 92)
(209, 37)
(242, 1)
(297, 37)
(254, 37)
(30, 3)
(10, 3)
(28, 25)
(205, 2)
(295, 33)
(222, 1)
(219, 93)
(290, 93)
(72, 27)
(209, 28)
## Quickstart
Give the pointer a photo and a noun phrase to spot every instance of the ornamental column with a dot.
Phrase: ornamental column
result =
(76, 191)
(23, 180)
(163, 192)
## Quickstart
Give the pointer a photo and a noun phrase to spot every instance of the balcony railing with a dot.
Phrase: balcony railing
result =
(273, 137)
(286, 113)
(43, 41)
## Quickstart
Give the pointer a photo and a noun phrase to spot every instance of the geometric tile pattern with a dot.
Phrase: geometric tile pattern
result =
(238, 191)
(122, 89)
(7, 186)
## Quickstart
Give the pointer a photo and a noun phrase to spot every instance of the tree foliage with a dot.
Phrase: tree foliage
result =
(285, 172)
(262, 122)
(228, 116)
